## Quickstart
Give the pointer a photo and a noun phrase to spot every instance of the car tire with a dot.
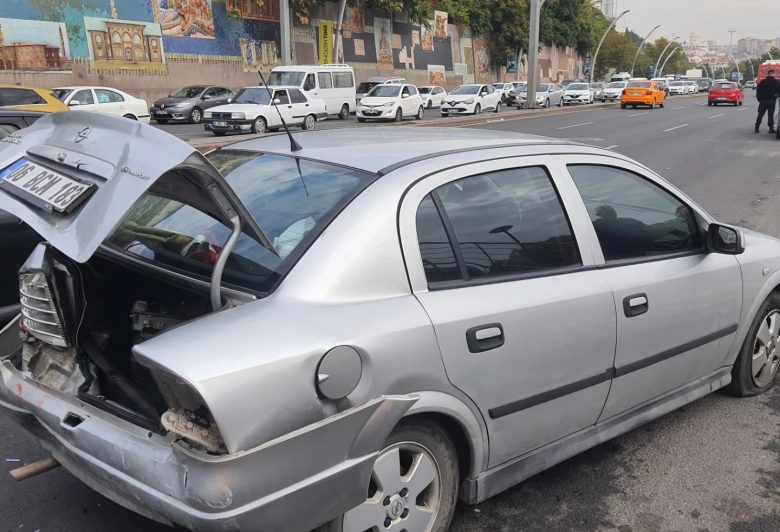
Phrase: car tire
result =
(709, 104)
(560, 102)
(498, 108)
(161, 121)
(420, 113)
(477, 109)
(130, 117)
(309, 123)
(430, 104)
(219, 133)
(623, 106)
(653, 105)
(344, 113)
(259, 125)
(755, 369)
(399, 115)
(547, 103)
(445, 115)
(662, 104)
(412, 442)
(740, 104)
(361, 120)
(196, 116)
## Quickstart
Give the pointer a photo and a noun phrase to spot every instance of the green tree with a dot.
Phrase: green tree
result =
(616, 54)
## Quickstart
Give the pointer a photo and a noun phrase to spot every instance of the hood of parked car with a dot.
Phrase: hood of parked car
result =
(170, 102)
(236, 108)
(102, 165)
(375, 101)
(571, 92)
(460, 97)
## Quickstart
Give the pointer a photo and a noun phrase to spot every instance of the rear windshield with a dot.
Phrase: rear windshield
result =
(292, 202)
(286, 78)
(725, 86)
(385, 91)
(578, 87)
(640, 84)
(466, 89)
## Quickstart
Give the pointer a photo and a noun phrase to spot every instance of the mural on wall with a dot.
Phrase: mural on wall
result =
(185, 18)
(437, 75)
(440, 24)
(33, 45)
(383, 34)
(482, 60)
(125, 44)
(259, 55)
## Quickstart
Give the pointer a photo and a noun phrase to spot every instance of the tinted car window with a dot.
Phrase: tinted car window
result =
(633, 217)
(19, 97)
(509, 222)
(325, 80)
(7, 129)
(296, 96)
(84, 97)
(436, 250)
(107, 96)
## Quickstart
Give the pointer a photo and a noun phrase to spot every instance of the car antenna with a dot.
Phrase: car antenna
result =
(294, 146)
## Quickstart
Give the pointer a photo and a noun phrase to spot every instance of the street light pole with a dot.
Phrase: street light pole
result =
(660, 73)
(284, 30)
(752, 70)
(604, 38)
(655, 69)
(533, 52)
(640, 49)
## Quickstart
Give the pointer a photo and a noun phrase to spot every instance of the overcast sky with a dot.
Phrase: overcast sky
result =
(711, 18)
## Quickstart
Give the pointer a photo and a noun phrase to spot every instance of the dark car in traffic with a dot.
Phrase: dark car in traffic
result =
(188, 103)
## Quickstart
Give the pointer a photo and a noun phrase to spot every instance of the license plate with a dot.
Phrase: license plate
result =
(371, 113)
(636, 94)
(220, 123)
(56, 191)
(161, 112)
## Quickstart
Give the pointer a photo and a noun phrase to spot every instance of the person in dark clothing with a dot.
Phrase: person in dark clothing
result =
(767, 93)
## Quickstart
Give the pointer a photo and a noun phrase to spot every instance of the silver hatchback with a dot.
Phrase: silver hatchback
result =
(355, 338)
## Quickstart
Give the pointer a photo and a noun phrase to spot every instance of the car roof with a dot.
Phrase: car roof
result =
(28, 87)
(379, 150)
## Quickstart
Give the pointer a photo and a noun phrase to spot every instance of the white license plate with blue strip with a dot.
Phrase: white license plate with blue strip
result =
(54, 190)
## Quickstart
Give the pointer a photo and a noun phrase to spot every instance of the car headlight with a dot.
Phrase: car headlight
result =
(207, 114)
(238, 116)
(179, 105)
(469, 101)
(388, 104)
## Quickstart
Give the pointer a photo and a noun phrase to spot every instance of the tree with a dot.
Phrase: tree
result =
(617, 53)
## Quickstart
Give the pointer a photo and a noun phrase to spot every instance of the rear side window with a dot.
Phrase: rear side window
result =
(296, 96)
(633, 217)
(107, 96)
(343, 80)
(506, 223)
(325, 80)
(19, 97)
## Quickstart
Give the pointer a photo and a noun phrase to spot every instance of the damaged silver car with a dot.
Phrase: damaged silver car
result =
(266, 338)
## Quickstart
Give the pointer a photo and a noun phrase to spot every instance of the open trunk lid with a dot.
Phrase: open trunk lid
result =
(74, 176)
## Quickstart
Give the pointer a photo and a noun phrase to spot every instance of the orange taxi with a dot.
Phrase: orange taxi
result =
(30, 99)
(640, 92)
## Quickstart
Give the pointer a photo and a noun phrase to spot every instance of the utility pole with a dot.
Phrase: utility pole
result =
(533, 52)
(284, 33)
(339, 44)
(604, 38)
(633, 65)
(655, 69)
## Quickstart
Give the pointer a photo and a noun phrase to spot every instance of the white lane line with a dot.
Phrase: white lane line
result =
(612, 147)
(576, 125)
(717, 116)
(636, 114)
(673, 128)
(678, 108)
(743, 109)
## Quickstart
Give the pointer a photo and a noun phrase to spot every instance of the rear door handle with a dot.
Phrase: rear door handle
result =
(635, 305)
(485, 337)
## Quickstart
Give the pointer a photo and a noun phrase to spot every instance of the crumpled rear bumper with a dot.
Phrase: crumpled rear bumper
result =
(294, 482)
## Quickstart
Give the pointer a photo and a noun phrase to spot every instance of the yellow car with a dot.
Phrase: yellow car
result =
(642, 92)
(30, 99)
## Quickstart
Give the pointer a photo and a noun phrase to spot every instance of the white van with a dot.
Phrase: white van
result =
(335, 84)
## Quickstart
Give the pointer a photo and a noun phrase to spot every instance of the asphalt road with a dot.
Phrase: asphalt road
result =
(713, 465)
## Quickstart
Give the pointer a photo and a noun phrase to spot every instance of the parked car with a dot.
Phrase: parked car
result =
(518, 84)
(253, 111)
(547, 94)
(613, 91)
(678, 87)
(725, 92)
(598, 90)
(188, 103)
(704, 84)
(662, 84)
(750, 85)
(366, 86)
(104, 100)
(334, 84)
(504, 89)
(578, 93)
(471, 99)
(432, 268)
(25, 98)
(432, 96)
(645, 93)
(391, 102)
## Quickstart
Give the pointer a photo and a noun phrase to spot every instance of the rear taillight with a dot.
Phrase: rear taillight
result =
(648, 93)
(40, 317)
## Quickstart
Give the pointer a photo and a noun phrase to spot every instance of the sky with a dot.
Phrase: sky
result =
(711, 18)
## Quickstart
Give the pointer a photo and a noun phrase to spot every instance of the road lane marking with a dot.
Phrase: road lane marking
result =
(576, 125)
(677, 108)
(612, 147)
(743, 109)
(636, 114)
(673, 128)
(717, 116)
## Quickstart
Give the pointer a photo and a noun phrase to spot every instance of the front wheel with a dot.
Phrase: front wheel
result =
(652, 105)
(344, 113)
(560, 102)
(755, 370)
(498, 108)
(361, 119)
(413, 486)
(399, 115)
(309, 123)
(623, 106)
(547, 103)
(419, 115)
(259, 125)
(477, 109)
(196, 116)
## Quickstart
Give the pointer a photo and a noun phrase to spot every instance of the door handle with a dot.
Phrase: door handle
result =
(485, 337)
(635, 305)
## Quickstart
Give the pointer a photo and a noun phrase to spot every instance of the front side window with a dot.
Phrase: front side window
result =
(187, 92)
(254, 95)
(633, 217)
(291, 202)
(19, 97)
(282, 97)
(325, 80)
(507, 223)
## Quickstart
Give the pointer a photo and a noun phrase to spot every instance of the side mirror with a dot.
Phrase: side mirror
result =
(74, 102)
(229, 100)
(725, 239)
(404, 96)
(277, 101)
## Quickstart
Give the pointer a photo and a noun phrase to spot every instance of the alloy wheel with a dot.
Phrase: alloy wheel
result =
(196, 116)
(404, 492)
(766, 355)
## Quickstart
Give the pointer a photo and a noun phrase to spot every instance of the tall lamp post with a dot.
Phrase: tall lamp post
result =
(660, 73)
(638, 50)
(533, 52)
(655, 68)
(603, 38)
(750, 61)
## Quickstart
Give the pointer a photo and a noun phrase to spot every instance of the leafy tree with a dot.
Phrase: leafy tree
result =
(617, 53)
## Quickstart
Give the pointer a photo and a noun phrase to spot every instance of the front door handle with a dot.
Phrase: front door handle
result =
(485, 337)
(635, 305)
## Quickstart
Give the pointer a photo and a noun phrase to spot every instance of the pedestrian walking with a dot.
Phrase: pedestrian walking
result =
(767, 93)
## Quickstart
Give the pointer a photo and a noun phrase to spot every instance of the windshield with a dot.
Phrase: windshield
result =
(425, 90)
(544, 87)
(286, 78)
(292, 202)
(366, 86)
(61, 94)
(616, 85)
(188, 92)
(466, 89)
(578, 87)
(639, 84)
(258, 95)
(598, 85)
(385, 91)
(498, 85)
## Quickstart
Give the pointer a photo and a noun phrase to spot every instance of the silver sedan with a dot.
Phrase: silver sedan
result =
(278, 338)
